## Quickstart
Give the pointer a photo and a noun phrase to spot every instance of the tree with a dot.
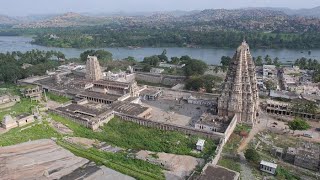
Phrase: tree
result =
(270, 85)
(175, 60)
(146, 68)
(225, 61)
(298, 124)
(276, 62)
(268, 60)
(194, 83)
(130, 59)
(103, 56)
(152, 60)
(163, 56)
(305, 106)
(259, 61)
(252, 155)
(206, 81)
(194, 67)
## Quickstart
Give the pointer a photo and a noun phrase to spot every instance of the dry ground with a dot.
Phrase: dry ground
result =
(44, 159)
(180, 166)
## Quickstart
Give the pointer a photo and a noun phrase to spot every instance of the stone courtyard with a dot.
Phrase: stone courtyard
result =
(171, 111)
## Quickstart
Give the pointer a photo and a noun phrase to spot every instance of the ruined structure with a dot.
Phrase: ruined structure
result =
(32, 92)
(93, 70)
(239, 96)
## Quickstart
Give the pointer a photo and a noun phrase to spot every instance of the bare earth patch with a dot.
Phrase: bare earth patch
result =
(61, 128)
(87, 143)
(178, 166)
(44, 159)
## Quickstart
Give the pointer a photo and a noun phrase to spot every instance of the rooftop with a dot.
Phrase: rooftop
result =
(149, 91)
(113, 83)
(200, 142)
(108, 97)
(129, 108)
(269, 164)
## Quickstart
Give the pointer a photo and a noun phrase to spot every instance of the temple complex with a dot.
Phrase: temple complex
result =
(239, 95)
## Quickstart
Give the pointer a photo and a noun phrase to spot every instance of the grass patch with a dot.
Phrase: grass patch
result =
(133, 136)
(234, 140)
(283, 173)
(9, 88)
(121, 162)
(24, 106)
(57, 98)
(242, 128)
(37, 131)
(230, 163)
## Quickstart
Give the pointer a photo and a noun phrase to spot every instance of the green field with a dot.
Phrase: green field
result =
(121, 162)
(230, 163)
(133, 136)
(37, 131)
(57, 98)
(24, 106)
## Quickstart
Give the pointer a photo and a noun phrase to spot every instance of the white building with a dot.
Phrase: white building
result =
(269, 71)
(156, 70)
(200, 144)
(163, 64)
(268, 167)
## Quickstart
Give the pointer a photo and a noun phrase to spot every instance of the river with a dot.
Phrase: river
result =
(209, 55)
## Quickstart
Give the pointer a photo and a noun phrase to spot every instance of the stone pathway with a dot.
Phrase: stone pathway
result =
(246, 172)
(263, 118)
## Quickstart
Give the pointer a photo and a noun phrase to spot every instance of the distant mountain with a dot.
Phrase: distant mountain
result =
(176, 13)
(268, 19)
(225, 14)
(6, 20)
(65, 20)
(312, 12)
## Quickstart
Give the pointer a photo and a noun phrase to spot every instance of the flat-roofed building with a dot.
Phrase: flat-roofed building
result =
(200, 144)
(150, 94)
(268, 167)
(98, 97)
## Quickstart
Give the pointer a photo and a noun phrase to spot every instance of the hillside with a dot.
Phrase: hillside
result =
(266, 19)
(65, 20)
(6, 20)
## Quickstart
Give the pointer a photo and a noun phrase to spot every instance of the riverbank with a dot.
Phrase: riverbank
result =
(209, 55)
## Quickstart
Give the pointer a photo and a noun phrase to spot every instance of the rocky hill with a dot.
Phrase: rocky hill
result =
(268, 19)
(65, 20)
(7, 20)
(224, 14)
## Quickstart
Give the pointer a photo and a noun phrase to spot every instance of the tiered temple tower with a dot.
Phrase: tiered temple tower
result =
(93, 70)
(240, 94)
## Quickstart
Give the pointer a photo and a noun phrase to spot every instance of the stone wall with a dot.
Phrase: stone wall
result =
(170, 127)
(224, 140)
(169, 80)
(6, 105)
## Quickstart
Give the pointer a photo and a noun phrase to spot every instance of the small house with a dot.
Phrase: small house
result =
(268, 167)
(200, 144)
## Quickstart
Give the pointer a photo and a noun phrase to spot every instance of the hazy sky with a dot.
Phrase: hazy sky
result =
(26, 7)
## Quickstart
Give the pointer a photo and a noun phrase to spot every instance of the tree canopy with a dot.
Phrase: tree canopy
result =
(194, 67)
(103, 56)
(208, 82)
(298, 124)
(252, 155)
(11, 64)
